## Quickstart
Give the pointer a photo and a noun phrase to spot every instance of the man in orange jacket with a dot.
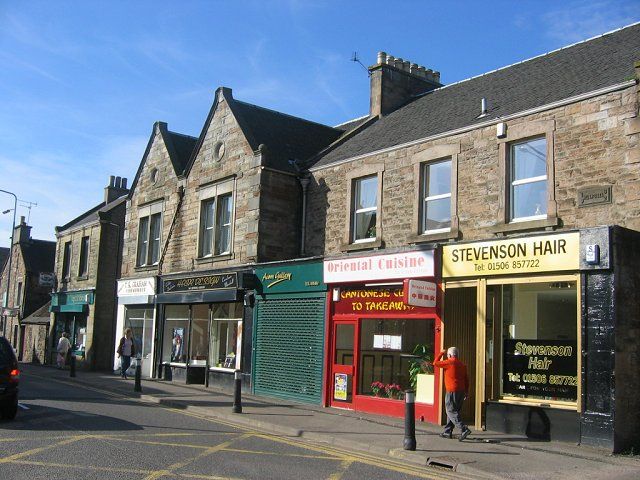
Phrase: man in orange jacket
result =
(456, 383)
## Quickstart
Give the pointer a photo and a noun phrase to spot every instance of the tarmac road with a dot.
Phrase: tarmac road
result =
(67, 430)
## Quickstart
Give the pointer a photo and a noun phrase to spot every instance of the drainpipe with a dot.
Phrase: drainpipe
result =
(180, 191)
(304, 182)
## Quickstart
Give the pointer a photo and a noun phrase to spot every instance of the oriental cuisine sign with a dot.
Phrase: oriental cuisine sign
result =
(547, 253)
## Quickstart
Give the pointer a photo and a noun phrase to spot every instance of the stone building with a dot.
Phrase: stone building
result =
(30, 283)
(88, 256)
(512, 199)
(198, 219)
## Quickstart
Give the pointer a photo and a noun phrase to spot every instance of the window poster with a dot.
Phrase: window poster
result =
(340, 386)
(387, 342)
(546, 368)
(177, 345)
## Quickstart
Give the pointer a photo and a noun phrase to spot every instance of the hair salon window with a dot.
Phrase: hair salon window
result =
(436, 197)
(226, 335)
(538, 341)
(528, 180)
(364, 209)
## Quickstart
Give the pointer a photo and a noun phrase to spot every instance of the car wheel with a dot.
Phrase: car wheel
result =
(10, 411)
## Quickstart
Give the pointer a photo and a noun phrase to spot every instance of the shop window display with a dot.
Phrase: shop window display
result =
(225, 335)
(387, 349)
(199, 335)
(539, 348)
(176, 334)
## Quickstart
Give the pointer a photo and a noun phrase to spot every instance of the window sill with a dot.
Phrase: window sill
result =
(353, 247)
(452, 234)
(81, 278)
(549, 223)
(146, 268)
(214, 258)
(538, 403)
(222, 369)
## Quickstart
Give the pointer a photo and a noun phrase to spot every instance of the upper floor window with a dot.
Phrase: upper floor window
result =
(364, 209)
(149, 231)
(216, 213)
(215, 226)
(19, 294)
(528, 180)
(66, 261)
(83, 265)
(436, 197)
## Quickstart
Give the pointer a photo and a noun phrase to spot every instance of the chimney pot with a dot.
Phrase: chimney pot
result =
(22, 222)
(398, 63)
(436, 76)
(112, 180)
(413, 68)
(382, 57)
(124, 182)
(390, 60)
(118, 180)
(406, 66)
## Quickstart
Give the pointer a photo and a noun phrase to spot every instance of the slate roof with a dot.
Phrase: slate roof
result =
(39, 317)
(581, 68)
(182, 146)
(38, 255)
(285, 137)
(92, 215)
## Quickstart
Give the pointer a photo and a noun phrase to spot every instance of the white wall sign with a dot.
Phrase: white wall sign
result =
(138, 286)
(379, 267)
(420, 293)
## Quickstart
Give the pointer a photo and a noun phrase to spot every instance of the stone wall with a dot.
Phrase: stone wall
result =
(594, 143)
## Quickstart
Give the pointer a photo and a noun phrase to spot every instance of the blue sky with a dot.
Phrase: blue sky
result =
(82, 82)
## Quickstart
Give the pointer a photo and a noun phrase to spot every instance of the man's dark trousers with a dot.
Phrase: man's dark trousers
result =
(453, 405)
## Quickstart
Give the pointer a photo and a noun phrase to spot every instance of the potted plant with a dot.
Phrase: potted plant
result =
(377, 388)
(393, 390)
(421, 373)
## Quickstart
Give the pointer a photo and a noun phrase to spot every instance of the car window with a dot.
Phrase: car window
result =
(6, 352)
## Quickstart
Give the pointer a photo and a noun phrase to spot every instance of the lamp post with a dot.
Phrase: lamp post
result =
(13, 226)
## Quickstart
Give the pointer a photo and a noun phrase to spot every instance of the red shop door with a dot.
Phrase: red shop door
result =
(342, 364)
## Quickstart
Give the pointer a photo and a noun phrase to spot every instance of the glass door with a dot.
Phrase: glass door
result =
(342, 364)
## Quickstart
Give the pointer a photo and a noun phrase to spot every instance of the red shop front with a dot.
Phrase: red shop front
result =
(378, 344)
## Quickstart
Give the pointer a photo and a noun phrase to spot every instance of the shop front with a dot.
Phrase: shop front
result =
(136, 310)
(203, 319)
(71, 311)
(289, 331)
(513, 307)
(383, 333)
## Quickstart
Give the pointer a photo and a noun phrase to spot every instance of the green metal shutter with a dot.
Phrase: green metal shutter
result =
(290, 349)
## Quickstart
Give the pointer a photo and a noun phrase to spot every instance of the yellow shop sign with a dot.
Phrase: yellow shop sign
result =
(548, 253)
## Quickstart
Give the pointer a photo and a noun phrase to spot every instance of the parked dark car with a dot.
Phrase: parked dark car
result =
(9, 378)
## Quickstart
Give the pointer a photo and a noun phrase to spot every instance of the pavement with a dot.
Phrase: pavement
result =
(483, 454)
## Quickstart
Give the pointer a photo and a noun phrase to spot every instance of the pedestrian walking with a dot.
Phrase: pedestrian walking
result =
(126, 350)
(456, 383)
(64, 345)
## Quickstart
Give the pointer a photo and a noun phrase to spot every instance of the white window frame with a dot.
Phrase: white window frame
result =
(429, 198)
(354, 220)
(212, 194)
(149, 211)
(524, 181)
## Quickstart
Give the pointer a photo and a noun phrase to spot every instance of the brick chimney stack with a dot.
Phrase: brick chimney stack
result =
(116, 188)
(21, 232)
(394, 81)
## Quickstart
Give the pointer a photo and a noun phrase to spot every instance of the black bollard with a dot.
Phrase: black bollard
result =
(237, 396)
(137, 386)
(409, 420)
(72, 365)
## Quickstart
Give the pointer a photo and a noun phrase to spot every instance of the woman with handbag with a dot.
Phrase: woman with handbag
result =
(126, 350)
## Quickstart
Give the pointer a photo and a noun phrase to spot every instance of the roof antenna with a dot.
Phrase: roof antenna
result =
(355, 59)
(28, 205)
